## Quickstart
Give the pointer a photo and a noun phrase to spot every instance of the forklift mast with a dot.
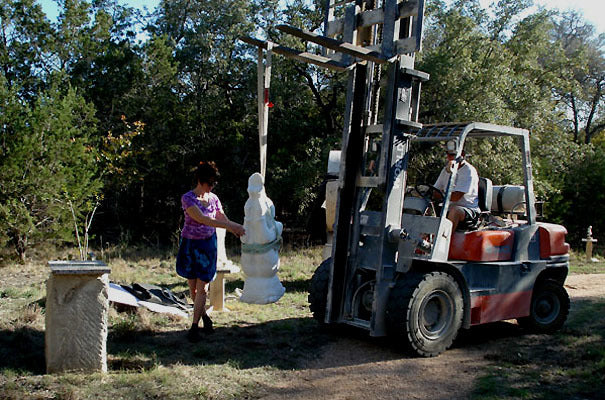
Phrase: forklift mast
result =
(374, 155)
(367, 39)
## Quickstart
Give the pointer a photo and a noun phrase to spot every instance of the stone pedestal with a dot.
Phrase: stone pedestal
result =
(77, 305)
(222, 262)
(589, 244)
(224, 266)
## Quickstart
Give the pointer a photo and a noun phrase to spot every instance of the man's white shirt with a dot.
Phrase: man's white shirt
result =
(467, 182)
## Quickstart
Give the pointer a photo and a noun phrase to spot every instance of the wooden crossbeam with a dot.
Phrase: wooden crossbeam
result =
(402, 46)
(402, 124)
(369, 181)
(372, 17)
(407, 45)
(420, 75)
(337, 45)
(300, 55)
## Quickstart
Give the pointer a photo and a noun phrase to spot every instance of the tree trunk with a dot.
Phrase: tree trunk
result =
(596, 99)
(326, 109)
(576, 128)
(20, 248)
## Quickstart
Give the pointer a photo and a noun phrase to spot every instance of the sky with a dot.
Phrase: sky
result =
(50, 6)
(593, 10)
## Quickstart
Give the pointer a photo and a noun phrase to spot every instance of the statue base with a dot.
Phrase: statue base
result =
(262, 290)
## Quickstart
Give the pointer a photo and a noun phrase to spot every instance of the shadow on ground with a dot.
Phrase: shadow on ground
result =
(298, 285)
(488, 333)
(22, 350)
(565, 365)
(283, 344)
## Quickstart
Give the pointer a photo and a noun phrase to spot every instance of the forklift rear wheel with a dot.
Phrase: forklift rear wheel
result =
(318, 293)
(425, 310)
(549, 308)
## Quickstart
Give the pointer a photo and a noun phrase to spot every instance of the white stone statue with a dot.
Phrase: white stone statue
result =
(260, 246)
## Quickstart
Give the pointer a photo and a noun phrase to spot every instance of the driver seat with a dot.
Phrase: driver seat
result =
(485, 195)
(485, 201)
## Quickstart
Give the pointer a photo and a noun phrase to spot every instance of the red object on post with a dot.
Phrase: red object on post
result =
(267, 102)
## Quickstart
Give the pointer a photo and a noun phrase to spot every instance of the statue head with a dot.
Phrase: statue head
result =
(256, 185)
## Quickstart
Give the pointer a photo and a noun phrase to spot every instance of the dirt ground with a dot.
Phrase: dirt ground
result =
(361, 368)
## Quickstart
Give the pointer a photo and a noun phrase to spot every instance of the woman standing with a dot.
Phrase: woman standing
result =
(196, 260)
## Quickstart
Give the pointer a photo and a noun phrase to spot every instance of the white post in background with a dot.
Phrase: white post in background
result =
(264, 82)
(224, 266)
(589, 240)
(222, 262)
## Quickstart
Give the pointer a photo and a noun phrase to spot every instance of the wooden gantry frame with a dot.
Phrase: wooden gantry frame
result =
(357, 31)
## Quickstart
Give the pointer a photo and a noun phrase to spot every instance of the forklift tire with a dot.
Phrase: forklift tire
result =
(549, 308)
(318, 293)
(425, 312)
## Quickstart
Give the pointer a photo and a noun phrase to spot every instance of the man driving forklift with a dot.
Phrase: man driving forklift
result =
(464, 207)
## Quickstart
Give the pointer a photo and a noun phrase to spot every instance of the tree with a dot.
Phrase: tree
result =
(583, 188)
(25, 39)
(581, 62)
(48, 162)
(470, 73)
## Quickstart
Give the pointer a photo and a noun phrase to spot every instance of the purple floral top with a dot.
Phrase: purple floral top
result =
(193, 229)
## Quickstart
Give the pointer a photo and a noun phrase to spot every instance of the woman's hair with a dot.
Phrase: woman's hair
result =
(206, 172)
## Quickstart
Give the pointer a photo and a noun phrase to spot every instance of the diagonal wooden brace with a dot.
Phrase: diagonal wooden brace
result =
(300, 55)
(337, 45)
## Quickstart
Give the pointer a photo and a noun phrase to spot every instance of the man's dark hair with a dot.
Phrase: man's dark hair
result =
(206, 172)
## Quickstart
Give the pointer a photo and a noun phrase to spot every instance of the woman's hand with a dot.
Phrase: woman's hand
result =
(235, 228)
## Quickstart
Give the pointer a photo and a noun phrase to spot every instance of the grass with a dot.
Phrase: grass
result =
(148, 356)
(579, 265)
(569, 364)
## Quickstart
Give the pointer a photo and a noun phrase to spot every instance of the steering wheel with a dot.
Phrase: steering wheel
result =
(426, 206)
(428, 191)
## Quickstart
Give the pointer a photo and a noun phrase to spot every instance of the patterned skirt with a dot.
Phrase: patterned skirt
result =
(197, 258)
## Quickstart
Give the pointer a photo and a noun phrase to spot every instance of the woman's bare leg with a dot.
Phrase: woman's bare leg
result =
(192, 283)
(199, 303)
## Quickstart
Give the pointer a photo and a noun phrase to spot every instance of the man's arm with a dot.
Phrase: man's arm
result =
(440, 184)
(456, 196)
(463, 183)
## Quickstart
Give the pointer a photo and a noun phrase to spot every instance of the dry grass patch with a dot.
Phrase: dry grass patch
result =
(148, 354)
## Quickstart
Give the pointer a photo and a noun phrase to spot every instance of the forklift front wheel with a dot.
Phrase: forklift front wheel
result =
(425, 310)
(318, 293)
(549, 308)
